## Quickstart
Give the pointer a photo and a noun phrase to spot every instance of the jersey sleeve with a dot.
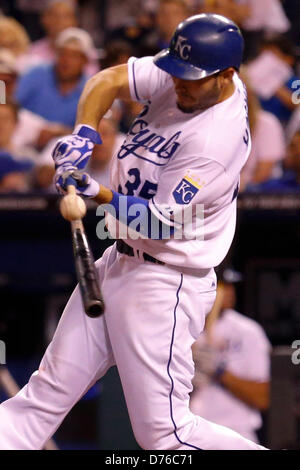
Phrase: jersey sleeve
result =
(181, 186)
(145, 78)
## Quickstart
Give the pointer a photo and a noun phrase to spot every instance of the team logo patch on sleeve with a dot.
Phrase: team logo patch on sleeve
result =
(187, 189)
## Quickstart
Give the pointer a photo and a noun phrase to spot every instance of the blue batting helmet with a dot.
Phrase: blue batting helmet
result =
(201, 46)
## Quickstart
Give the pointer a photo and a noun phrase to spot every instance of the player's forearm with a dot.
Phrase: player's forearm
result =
(127, 209)
(104, 196)
(253, 393)
(99, 94)
(285, 96)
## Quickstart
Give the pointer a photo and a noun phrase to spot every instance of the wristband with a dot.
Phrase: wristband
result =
(88, 132)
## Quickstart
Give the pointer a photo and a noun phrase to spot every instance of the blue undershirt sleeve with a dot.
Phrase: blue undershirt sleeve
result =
(135, 213)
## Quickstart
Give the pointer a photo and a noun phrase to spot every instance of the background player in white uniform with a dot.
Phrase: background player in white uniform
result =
(232, 367)
(186, 148)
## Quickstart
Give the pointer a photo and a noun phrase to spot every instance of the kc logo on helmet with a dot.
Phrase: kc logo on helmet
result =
(183, 48)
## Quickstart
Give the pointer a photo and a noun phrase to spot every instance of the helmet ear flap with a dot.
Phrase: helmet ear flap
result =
(201, 46)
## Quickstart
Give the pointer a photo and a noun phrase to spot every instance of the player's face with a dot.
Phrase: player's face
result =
(70, 63)
(199, 95)
(229, 297)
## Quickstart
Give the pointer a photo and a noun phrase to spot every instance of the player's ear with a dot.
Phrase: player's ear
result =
(227, 75)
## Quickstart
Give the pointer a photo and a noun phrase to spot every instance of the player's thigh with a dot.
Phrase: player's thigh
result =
(153, 317)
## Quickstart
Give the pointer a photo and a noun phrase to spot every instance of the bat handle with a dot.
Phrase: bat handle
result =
(71, 185)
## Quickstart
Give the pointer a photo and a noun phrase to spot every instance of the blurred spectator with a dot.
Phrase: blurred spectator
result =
(92, 18)
(14, 37)
(294, 123)
(117, 52)
(58, 16)
(266, 17)
(13, 174)
(257, 18)
(268, 143)
(53, 91)
(236, 10)
(8, 71)
(8, 123)
(290, 180)
(272, 77)
(27, 12)
(42, 178)
(232, 366)
(32, 132)
(169, 14)
(12, 171)
(119, 14)
(134, 33)
(99, 165)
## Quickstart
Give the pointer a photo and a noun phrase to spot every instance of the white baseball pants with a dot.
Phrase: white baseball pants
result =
(153, 315)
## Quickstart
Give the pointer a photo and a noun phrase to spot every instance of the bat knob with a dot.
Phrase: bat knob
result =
(94, 308)
(72, 207)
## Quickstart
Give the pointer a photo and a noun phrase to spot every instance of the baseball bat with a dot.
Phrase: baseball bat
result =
(73, 209)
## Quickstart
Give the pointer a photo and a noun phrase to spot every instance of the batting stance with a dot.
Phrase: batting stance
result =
(185, 150)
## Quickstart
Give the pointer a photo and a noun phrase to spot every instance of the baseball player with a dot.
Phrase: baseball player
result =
(184, 151)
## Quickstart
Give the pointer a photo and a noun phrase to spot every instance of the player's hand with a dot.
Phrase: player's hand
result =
(200, 380)
(76, 149)
(85, 184)
(208, 360)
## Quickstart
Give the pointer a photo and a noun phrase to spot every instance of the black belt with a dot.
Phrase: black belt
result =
(122, 247)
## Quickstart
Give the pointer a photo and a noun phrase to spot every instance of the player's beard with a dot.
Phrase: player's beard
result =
(210, 98)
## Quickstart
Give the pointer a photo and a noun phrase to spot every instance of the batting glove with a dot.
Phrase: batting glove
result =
(85, 184)
(76, 149)
(209, 361)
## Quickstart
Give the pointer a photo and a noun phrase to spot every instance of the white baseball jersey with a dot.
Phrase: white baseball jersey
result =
(245, 349)
(179, 160)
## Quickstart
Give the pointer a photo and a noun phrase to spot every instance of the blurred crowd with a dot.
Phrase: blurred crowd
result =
(50, 48)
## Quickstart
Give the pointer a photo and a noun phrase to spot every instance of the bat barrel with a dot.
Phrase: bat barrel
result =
(86, 273)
